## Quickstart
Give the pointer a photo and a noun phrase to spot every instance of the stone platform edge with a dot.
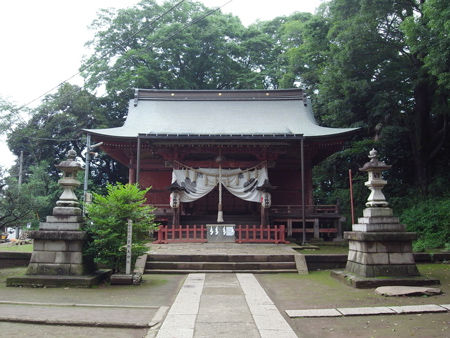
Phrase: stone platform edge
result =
(369, 283)
(84, 281)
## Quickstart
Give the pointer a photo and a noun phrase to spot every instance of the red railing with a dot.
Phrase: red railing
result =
(181, 234)
(244, 234)
(309, 209)
(260, 234)
(324, 230)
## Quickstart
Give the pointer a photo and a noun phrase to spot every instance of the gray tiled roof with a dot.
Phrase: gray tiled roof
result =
(215, 117)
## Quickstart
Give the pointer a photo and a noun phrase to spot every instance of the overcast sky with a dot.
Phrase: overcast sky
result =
(43, 41)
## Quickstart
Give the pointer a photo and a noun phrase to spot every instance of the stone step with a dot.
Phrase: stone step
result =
(220, 265)
(169, 271)
(219, 258)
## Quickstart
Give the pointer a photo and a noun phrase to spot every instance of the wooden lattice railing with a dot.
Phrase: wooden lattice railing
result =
(244, 234)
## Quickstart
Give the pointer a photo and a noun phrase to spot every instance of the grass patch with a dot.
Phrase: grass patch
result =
(321, 277)
(10, 272)
(152, 280)
(17, 248)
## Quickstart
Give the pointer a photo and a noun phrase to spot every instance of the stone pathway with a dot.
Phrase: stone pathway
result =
(367, 311)
(223, 305)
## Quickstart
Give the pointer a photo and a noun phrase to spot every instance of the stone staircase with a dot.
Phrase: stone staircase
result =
(180, 263)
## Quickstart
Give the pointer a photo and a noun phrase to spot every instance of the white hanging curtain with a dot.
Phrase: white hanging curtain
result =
(199, 182)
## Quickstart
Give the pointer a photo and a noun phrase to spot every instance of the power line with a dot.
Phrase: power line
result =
(192, 23)
(104, 55)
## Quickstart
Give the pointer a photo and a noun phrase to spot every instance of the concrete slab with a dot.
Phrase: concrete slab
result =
(366, 311)
(277, 334)
(266, 319)
(392, 291)
(300, 264)
(85, 281)
(226, 330)
(180, 320)
(313, 313)
(77, 316)
(428, 308)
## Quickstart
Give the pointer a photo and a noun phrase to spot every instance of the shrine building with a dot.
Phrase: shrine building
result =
(236, 157)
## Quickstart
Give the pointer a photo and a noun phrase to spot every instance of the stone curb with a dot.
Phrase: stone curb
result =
(368, 311)
(4, 302)
(73, 323)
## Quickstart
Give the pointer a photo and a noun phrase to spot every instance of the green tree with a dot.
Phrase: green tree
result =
(178, 51)
(107, 227)
(56, 126)
(361, 71)
(30, 202)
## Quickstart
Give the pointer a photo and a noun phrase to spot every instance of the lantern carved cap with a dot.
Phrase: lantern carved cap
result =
(70, 165)
(374, 164)
(375, 182)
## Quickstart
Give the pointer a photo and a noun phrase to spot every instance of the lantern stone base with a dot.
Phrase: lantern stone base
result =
(359, 282)
(57, 258)
(57, 252)
(374, 254)
(380, 246)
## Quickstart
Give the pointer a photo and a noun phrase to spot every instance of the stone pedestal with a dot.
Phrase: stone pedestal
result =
(57, 247)
(380, 246)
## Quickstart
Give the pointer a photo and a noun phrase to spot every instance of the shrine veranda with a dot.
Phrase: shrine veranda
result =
(261, 145)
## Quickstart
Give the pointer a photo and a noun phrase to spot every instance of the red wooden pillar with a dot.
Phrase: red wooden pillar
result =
(263, 216)
(176, 216)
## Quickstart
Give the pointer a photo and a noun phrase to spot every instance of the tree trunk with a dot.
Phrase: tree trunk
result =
(421, 133)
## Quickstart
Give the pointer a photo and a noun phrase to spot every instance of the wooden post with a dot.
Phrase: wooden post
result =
(129, 240)
(351, 194)
(302, 164)
(316, 228)
(263, 216)
(131, 175)
(176, 217)
(138, 160)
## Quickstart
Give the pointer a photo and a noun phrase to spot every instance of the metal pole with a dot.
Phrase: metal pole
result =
(138, 160)
(302, 164)
(351, 194)
(86, 170)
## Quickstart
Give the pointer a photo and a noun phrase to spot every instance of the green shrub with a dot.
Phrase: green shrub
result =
(431, 220)
(107, 225)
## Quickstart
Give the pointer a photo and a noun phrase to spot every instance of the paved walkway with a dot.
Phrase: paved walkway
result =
(223, 305)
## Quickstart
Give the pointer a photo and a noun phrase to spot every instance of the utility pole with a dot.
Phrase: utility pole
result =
(20, 168)
(89, 148)
(19, 185)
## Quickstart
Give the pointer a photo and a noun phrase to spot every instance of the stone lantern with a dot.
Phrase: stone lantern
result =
(57, 258)
(379, 246)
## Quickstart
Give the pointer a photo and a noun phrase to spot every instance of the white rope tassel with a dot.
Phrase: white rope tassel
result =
(220, 212)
